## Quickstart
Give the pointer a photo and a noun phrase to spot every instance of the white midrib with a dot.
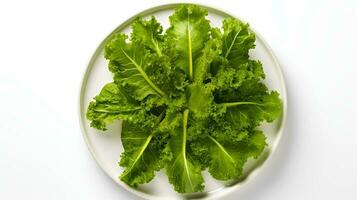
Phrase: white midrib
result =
(184, 137)
(115, 112)
(144, 75)
(231, 104)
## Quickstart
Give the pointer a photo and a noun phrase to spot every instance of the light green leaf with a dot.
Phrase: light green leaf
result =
(130, 61)
(111, 104)
(251, 113)
(183, 174)
(210, 52)
(187, 35)
(237, 40)
(200, 99)
(148, 32)
(173, 115)
(231, 78)
(141, 157)
(228, 159)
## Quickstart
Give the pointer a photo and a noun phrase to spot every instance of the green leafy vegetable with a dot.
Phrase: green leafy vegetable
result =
(190, 99)
(141, 157)
(237, 40)
(149, 34)
(112, 103)
(131, 61)
(187, 35)
(182, 173)
(228, 157)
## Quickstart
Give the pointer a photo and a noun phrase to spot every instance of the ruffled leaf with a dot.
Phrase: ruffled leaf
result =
(111, 104)
(187, 36)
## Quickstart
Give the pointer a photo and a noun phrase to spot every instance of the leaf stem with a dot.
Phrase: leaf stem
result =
(184, 133)
(115, 112)
(231, 104)
(184, 138)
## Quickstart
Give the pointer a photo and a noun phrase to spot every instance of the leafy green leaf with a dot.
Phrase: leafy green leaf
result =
(210, 52)
(141, 156)
(200, 99)
(228, 159)
(173, 115)
(231, 78)
(148, 32)
(251, 113)
(187, 35)
(131, 61)
(237, 40)
(111, 104)
(183, 174)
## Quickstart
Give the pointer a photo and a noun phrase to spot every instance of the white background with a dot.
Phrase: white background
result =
(45, 46)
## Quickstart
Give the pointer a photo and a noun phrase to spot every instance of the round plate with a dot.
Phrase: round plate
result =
(106, 148)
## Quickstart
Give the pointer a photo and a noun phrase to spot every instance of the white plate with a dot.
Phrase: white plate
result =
(106, 148)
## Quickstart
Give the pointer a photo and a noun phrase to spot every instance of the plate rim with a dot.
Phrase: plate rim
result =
(212, 194)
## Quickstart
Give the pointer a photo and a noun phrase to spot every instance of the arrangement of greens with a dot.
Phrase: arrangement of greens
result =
(190, 99)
